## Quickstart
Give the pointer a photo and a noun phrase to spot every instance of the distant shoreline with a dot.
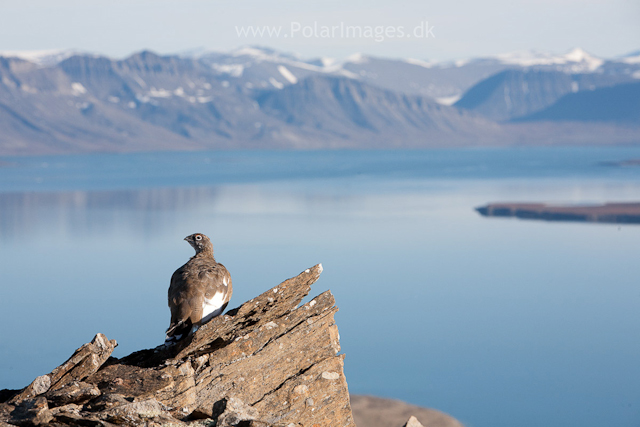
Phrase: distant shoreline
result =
(616, 213)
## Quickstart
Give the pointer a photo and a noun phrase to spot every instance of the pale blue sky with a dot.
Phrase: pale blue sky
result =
(462, 29)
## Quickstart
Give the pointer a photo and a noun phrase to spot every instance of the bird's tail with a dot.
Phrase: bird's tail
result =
(177, 331)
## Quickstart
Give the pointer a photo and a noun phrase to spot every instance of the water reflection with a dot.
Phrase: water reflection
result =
(82, 212)
(152, 211)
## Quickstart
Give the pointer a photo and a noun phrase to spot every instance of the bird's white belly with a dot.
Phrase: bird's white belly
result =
(212, 307)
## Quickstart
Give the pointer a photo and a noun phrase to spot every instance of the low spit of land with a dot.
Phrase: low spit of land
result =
(618, 213)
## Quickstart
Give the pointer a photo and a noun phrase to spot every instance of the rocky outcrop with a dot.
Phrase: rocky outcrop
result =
(269, 362)
(84, 362)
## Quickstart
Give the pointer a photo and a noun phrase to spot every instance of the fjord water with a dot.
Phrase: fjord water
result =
(499, 322)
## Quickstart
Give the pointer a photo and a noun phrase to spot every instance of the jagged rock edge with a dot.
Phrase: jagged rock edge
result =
(302, 371)
(325, 313)
(316, 269)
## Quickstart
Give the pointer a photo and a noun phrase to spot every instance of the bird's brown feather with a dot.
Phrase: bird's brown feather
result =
(201, 277)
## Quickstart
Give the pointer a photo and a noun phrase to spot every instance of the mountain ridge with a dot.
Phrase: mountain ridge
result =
(254, 98)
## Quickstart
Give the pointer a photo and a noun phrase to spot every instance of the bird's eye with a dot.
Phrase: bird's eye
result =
(198, 237)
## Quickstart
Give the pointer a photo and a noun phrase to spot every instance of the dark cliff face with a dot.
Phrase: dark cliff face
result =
(269, 362)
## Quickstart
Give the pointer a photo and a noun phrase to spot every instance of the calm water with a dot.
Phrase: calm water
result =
(499, 322)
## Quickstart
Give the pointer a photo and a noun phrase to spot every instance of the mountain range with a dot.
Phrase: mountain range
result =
(258, 98)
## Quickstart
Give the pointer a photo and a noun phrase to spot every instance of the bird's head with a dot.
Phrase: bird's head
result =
(199, 242)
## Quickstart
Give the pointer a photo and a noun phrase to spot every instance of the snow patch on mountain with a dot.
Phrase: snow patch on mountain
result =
(253, 52)
(40, 57)
(419, 62)
(287, 74)
(275, 83)
(576, 60)
(77, 89)
(357, 58)
(329, 62)
(462, 62)
(631, 59)
(159, 93)
(260, 53)
(448, 100)
(234, 70)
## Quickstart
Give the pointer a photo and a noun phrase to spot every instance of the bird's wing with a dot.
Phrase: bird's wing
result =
(198, 292)
(227, 282)
(217, 290)
(185, 298)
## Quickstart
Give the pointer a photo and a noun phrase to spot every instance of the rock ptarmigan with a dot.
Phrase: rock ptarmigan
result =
(199, 291)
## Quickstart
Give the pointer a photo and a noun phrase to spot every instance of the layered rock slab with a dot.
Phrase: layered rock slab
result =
(269, 362)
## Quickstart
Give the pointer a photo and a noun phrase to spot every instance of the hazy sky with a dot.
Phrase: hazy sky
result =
(455, 29)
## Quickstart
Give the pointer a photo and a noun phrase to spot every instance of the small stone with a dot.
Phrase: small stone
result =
(41, 384)
(70, 409)
(413, 422)
(107, 401)
(101, 342)
(231, 411)
(330, 375)
(129, 411)
(75, 392)
(254, 423)
(32, 411)
(271, 325)
(301, 389)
